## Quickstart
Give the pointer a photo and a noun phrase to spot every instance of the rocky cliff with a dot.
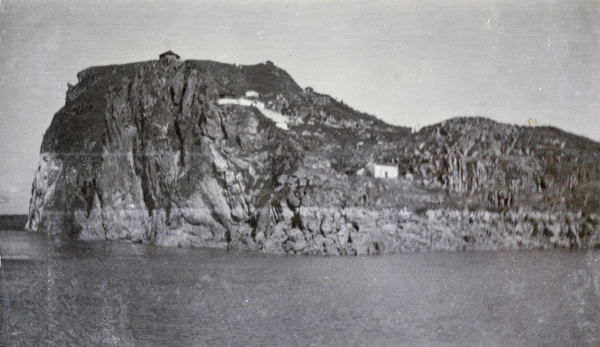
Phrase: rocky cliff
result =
(145, 152)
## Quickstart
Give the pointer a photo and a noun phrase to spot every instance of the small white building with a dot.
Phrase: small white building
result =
(252, 94)
(386, 171)
(379, 171)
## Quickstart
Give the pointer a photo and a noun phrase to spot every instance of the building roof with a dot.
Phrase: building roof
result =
(387, 164)
(169, 54)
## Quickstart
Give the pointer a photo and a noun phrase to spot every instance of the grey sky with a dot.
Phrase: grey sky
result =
(407, 62)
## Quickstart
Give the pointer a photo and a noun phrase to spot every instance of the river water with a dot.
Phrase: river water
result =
(75, 293)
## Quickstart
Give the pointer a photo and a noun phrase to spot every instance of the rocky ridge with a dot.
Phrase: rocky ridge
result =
(144, 152)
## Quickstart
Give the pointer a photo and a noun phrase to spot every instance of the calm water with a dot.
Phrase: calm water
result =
(123, 294)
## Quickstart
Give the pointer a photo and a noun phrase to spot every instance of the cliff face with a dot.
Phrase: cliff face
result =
(145, 152)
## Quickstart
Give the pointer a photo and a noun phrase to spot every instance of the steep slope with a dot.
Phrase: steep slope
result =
(143, 151)
(502, 165)
(147, 152)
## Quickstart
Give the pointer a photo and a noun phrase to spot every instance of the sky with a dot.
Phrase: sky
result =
(410, 63)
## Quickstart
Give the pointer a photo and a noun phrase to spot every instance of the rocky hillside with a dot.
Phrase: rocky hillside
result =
(502, 166)
(146, 152)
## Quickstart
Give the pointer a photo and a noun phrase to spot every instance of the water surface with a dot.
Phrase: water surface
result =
(122, 294)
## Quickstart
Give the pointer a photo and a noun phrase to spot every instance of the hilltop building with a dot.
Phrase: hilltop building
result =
(379, 171)
(169, 55)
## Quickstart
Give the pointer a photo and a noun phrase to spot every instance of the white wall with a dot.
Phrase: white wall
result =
(241, 101)
(248, 102)
(228, 101)
(386, 171)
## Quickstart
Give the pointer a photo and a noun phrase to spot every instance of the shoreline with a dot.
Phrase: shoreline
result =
(360, 231)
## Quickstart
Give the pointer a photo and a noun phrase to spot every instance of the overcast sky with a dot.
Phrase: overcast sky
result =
(407, 62)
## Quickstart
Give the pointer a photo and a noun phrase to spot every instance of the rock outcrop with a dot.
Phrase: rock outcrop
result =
(155, 159)
(145, 152)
